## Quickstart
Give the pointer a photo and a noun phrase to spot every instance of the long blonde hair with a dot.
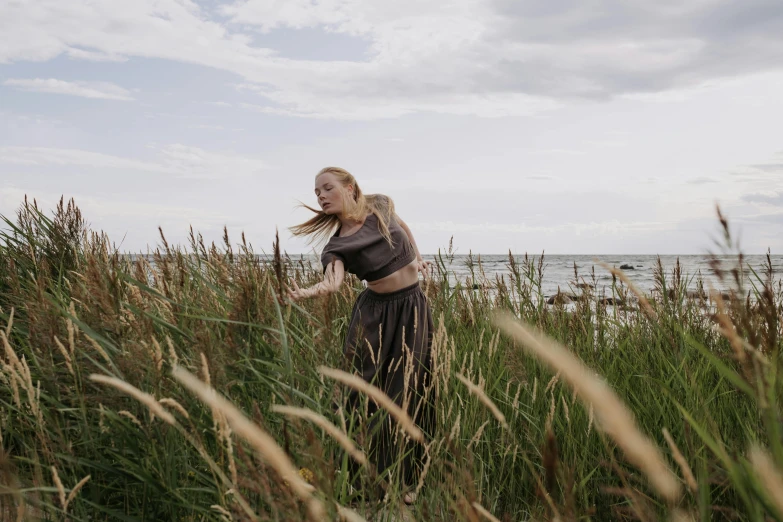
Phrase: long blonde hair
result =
(322, 226)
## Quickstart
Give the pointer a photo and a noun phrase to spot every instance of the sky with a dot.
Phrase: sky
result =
(569, 126)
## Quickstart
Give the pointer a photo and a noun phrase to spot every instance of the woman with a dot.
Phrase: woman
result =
(390, 331)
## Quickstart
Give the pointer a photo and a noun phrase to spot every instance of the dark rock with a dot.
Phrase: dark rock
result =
(626, 267)
(559, 299)
(725, 296)
(612, 301)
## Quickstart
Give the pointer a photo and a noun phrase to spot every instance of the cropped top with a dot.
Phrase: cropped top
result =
(367, 254)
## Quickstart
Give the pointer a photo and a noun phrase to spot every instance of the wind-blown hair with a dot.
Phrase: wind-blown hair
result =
(322, 226)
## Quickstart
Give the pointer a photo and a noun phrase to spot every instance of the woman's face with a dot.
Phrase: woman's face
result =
(329, 192)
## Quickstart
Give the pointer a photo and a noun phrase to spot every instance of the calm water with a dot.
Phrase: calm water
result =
(558, 270)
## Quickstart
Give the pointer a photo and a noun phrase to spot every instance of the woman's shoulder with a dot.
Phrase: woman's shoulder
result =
(379, 199)
(383, 204)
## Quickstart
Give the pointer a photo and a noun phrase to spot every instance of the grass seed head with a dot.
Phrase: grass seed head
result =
(176, 405)
(687, 474)
(771, 477)
(263, 443)
(59, 484)
(75, 490)
(484, 513)
(484, 398)
(144, 398)
(380, 398)
(333, 431)
(616, 419)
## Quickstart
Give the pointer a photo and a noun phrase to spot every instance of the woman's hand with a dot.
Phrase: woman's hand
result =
(295, 293)
(425, 267)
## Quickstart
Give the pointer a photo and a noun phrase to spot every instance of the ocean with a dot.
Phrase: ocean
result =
(558, 270)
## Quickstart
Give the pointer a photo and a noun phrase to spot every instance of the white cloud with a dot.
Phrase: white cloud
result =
(488, 58)
(94, 56)
(597, 227)
(701, 180)
(204, 126)
(40, 156)
(180, 160)
(100, 90)
(194, 162)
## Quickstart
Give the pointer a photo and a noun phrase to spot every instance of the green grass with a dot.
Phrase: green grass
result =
(135, 321)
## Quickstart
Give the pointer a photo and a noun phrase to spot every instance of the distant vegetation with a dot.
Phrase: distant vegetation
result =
(108, 365)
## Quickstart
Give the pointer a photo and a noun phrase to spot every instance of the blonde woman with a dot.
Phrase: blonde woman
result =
(390, 331)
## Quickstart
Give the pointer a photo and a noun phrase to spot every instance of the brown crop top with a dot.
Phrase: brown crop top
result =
(367, 254)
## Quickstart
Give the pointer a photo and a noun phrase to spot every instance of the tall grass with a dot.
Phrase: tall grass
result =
(207, 394)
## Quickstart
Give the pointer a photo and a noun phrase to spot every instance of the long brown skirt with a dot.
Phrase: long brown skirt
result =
(388, 344)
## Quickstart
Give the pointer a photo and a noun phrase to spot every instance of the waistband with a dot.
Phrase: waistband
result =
(391, 296)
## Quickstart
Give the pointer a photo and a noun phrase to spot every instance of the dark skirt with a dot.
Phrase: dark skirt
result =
(388, 344)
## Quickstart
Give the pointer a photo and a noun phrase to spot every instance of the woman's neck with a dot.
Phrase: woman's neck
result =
(349, 225)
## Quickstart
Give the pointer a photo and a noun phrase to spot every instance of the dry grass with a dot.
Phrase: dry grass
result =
(72, 495)
(478, 392)
(771, 477)
(263, 443)
(484, 513)
(687, 474)
(144, 398)
(615, 418)
(332, 430)
(380, 398)
(73, 306)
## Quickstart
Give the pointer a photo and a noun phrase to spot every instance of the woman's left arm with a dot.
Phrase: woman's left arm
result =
(423, 265)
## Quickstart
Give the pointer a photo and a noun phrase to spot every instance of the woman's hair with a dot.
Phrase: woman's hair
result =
(322, 226)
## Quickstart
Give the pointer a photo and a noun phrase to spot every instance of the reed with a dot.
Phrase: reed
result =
(263, 443)
(478, 392)
(615, 418)
(687, 474)
(484, 513)
(380, 398)
(332, 430)
(144, 398)
(700, 375)
(771, 477)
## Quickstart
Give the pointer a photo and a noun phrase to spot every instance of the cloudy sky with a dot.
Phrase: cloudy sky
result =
(571, 126)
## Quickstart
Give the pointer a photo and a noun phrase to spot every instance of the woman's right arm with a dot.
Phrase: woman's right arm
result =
(333, 278)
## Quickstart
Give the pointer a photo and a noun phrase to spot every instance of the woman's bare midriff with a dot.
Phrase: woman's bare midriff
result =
(405, 276)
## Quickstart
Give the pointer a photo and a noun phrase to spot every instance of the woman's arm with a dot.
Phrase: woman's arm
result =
(423, 265)
(333, 278)
(407, 230)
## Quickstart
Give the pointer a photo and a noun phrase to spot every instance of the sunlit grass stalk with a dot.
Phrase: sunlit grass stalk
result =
(258, 438)
(143, 397)
(333, 431)
(482, 396)
(771, 477)
(615, 418)
(379, 397)
(687, 474)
